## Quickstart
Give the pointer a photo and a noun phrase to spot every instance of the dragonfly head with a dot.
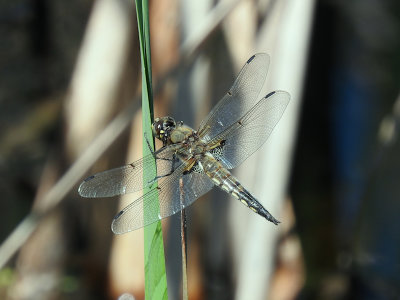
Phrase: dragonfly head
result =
(162, 128)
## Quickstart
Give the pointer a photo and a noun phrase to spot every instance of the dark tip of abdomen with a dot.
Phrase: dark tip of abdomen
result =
(265, 213)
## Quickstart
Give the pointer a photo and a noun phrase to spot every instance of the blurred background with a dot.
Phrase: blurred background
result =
(70, 107)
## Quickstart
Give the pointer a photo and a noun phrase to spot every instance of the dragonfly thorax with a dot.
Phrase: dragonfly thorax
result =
(183, 134)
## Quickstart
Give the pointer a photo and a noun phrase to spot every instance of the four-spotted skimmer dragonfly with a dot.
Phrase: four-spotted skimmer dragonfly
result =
(191, 162)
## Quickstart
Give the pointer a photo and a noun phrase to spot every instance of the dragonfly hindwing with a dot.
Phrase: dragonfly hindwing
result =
(195, 169)
(218, 151)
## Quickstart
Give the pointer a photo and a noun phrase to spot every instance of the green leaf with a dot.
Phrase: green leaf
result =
(155, 276)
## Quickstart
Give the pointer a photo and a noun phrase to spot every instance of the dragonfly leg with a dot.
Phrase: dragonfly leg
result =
(154, 153)
(148, 145)
(174, 159)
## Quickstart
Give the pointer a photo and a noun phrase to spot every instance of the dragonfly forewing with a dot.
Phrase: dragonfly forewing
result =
(127, 179)
(239, 99)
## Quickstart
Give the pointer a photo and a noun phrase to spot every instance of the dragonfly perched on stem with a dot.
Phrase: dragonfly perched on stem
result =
(191, 162)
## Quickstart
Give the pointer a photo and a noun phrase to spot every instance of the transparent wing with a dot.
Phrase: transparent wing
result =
(126, 179)
(248, 133)
(169, 193)
(239, 99)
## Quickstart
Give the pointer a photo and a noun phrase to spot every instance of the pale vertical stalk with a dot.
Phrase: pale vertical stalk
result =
(288, 56)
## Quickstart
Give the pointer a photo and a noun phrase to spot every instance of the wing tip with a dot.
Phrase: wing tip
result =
(281, 92)
(81, 190)
(114, 226)
(284, 97)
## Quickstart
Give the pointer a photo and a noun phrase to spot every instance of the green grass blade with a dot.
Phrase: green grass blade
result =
(155, 276)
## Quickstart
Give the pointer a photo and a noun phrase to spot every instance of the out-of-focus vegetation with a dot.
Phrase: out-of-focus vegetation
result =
(67, 68)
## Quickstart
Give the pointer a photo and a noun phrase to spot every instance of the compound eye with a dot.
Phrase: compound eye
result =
(169, 123)
(156, 127)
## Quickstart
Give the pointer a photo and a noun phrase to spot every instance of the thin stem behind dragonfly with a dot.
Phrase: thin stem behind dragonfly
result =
(183, 243)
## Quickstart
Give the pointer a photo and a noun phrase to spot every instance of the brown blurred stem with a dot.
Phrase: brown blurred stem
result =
(183, 244)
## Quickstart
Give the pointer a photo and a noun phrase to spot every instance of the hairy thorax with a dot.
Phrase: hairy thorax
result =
(193, 146)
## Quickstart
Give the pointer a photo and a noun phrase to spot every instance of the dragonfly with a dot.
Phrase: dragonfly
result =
(191, 162)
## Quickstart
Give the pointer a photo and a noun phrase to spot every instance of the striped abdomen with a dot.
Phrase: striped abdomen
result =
(227, 182)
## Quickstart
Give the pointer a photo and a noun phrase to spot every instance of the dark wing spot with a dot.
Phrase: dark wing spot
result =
(240, 122)
(250, 59)
(132, 165)
(118, 215)
(89, 178)
(229, 93)
(270, 94)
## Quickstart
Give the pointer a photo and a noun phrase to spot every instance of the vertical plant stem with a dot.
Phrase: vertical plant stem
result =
(155, 276)
(183, 245)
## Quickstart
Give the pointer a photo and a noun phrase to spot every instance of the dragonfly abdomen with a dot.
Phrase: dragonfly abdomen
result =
(247, 199)
(228, 183)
